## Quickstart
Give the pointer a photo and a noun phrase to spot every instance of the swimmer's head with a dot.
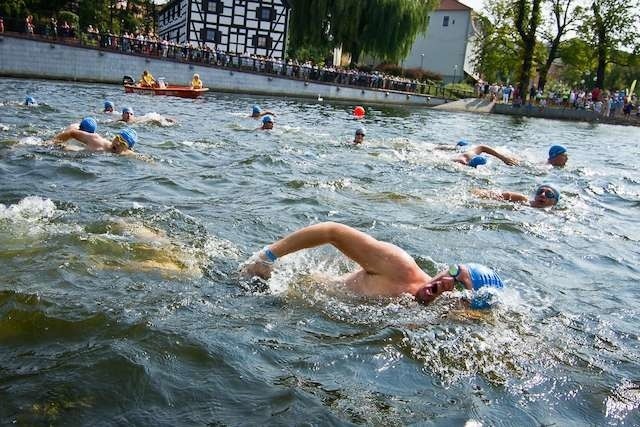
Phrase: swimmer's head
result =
(462, 144)
(546, 196)
(557, 155)
(359, 136)
(476, 277)
(108, 106)
(89, 124)
(128, 136)
(127, 110)
(477, 161)
(29, 101)
(255, 111)
(267, 122)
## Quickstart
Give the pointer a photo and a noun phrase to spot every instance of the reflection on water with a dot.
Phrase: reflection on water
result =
(121, 285)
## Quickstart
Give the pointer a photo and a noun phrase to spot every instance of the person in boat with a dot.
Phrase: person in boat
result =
(127, 115)
(196, 83)
(256, 112)
(385, 269)
(545, 196)
(121, 144)
(108, 107)
(472, 155)
(267, 123)
(147, 79)
(359, 136)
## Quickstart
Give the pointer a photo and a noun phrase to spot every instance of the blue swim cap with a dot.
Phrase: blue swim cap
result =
(462, 143)
(267, 119)
(130, 136)
(553, 190)
(361, 131)
(256, 110)
(477, 161)
(29, 100)
(107, 105)
(89, 124)
(482, 276)
(556, 150)
(127, 110)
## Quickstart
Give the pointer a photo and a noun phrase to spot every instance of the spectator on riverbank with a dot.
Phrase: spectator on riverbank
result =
(28, 25)
(1, 25)
(545, 196)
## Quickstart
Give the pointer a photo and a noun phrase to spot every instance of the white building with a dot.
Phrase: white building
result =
(447, 45)
(255, 27)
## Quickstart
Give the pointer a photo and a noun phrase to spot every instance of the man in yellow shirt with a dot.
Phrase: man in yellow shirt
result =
(196, 83)
(147, 79)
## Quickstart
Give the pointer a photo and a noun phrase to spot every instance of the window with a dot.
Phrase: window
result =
(213, 6)
(445, 21)
(210, 35)
(262, 41)
(265, 13)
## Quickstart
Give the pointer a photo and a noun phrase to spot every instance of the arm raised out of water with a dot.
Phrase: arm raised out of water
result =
(386, 269)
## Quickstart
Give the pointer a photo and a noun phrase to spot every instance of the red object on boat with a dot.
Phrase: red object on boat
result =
(168, 90)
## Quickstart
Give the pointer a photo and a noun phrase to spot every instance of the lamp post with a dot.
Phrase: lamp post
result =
(421, 60)
(455, 72)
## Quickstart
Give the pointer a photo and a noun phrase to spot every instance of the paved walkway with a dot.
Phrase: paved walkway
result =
(468, 104)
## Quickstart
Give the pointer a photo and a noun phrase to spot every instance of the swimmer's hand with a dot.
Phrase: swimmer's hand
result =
(256, 266)
(511, 161)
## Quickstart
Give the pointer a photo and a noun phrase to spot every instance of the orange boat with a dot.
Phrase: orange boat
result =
(168, 90)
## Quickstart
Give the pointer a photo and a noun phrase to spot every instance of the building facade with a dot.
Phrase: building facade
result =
(254, 27)
(447, 47)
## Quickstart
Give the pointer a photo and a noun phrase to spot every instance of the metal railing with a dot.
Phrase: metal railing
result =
(218, 59)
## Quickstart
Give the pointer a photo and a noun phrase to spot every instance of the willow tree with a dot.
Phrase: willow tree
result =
(611, 25)
(385, 29)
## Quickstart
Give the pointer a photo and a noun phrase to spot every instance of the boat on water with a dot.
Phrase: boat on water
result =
(162, 89)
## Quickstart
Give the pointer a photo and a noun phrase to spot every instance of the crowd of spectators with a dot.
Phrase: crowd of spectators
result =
(608, 103)
(150, 44)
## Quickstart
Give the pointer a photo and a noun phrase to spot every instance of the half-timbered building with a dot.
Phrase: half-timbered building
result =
(254, 27)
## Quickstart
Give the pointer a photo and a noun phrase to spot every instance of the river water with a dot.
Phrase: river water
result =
(120, 301)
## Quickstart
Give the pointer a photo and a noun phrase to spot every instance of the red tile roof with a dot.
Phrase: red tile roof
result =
(452, 5)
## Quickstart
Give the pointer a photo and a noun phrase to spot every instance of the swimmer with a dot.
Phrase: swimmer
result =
(127, 115)
(29, 100)
(121, 144)
(472, 155)
(267, 123)
(108, 107)
(359, 137)
(385, 269)
(546, 196)
(196, 83)
(147, 79)
(256, 112)
(557, 156)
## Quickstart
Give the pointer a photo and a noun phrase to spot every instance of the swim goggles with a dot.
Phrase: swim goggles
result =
(547, 193)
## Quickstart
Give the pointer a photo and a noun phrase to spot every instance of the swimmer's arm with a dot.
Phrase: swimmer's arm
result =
(500, 195)
(267, 112)
(489, 150)
(69, 133)
(373, 256)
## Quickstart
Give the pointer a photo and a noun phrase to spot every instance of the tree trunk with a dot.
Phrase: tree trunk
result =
(527, 24)
(544, 71)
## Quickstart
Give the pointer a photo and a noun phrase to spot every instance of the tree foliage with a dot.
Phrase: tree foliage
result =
(610, 26)
(385, 29)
